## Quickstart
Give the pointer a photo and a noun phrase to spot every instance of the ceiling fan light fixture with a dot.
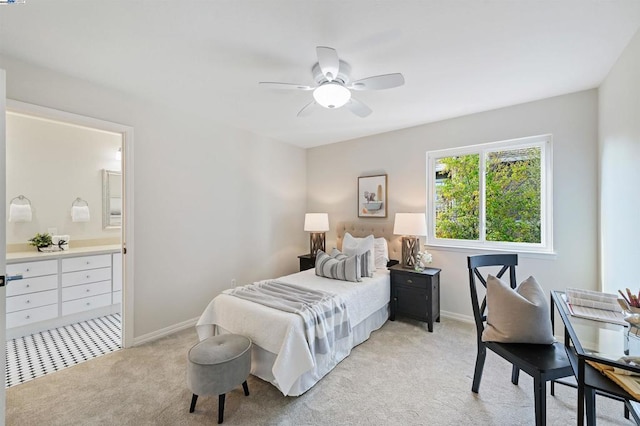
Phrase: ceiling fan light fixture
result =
(332, 95)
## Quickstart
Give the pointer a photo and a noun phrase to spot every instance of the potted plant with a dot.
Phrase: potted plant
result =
(41, 241)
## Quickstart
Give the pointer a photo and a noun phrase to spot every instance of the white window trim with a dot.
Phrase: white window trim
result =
(545, 142)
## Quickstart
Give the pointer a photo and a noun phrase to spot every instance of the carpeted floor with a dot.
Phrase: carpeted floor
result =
(403, 375)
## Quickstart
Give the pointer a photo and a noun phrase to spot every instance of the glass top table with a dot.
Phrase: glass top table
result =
(602, 342)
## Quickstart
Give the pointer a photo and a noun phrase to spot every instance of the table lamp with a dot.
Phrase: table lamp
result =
(411, 226)
(317, 224)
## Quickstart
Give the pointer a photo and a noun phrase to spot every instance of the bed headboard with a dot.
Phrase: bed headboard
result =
(378, 229)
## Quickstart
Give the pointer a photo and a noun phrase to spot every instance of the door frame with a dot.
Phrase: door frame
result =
(128, 205)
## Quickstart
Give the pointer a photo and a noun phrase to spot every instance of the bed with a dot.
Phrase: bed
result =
(280, 353)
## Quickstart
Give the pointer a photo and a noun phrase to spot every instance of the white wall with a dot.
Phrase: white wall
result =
(332, 172)
(212, 203)
(53, 163)
(619, 142)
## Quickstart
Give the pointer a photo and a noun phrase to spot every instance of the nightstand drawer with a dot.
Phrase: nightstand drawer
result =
(412, 280)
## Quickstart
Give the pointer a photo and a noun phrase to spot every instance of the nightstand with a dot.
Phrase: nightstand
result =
(415, 294)
(307, 261)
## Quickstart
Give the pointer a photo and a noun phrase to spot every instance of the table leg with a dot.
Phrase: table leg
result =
(581, 392)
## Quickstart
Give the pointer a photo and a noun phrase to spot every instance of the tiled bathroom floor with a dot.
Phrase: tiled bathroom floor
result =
(33, 356)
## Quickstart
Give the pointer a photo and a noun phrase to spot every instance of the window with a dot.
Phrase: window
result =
(495, 196)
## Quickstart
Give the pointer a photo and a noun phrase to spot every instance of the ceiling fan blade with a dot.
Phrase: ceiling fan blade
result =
(328, 61)
(378, 82)
(307, 109)
(358, 108)
(284, 86)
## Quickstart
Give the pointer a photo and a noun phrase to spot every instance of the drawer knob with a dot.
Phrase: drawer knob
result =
(27, 270)
(410, 282)
(88, 262)
(28, 285)
(88, 290)
(88, 303)
(27, 317)
(88, 276)
(28, 301)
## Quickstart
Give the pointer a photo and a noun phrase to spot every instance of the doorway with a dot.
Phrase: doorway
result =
(90, 238)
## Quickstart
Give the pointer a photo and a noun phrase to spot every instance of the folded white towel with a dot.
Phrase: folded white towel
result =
(80, 214)
(20, 213)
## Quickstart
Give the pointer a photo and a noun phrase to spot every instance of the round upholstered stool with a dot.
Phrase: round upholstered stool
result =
(217, 365)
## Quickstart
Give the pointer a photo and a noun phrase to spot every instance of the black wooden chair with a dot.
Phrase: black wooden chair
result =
(542, 362)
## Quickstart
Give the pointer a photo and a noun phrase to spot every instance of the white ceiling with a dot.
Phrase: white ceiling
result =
(457, 56)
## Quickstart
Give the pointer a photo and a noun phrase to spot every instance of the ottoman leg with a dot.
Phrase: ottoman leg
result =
(245, 386)
(194, 398)
(220, 408)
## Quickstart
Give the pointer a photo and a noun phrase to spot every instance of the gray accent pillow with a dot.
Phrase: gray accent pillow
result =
(346, 269)
(517, 316)
(365, 259)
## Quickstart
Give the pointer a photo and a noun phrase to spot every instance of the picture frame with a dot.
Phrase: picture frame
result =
(372, 196)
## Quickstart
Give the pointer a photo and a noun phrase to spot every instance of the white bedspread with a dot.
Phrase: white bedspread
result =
(282, 333)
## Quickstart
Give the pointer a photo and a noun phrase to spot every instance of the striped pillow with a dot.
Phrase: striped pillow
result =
(365, 261)
(347, 269)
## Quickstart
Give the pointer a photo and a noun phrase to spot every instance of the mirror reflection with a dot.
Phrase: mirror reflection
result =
(112, 199)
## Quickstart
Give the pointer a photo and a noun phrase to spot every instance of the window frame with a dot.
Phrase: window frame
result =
(545, 143)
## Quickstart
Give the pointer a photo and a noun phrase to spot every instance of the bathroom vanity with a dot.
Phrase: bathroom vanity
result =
(49, 290)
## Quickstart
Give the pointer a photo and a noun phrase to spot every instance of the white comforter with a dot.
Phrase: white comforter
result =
(282, 333)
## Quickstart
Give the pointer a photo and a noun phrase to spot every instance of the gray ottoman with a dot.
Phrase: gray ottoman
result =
(217, 365)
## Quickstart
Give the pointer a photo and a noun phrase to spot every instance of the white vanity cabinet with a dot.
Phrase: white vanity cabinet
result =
(64, 289)
(33, 298)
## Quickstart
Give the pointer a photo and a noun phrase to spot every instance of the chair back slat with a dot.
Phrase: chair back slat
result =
(507, 262)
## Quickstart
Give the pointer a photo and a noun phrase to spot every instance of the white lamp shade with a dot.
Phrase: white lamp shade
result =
(316, 222)
(332, 95)
(410, 224)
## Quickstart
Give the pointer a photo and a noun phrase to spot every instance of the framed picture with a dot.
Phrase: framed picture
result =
(372, 196)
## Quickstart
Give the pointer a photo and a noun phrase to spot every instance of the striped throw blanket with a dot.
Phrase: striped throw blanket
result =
(324, 314)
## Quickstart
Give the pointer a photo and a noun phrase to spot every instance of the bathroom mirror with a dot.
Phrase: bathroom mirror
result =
(111, 199)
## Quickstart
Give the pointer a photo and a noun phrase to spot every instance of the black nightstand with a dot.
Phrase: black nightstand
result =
(307, 261)
(415, 294)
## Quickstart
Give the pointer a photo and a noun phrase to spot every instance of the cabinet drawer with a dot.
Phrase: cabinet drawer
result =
(86, 262)
(30, 285)
(28, 316)
(33, 269)
(85, 277)
(84, 290)
(31, 300)
(413, 280)
(85, 304)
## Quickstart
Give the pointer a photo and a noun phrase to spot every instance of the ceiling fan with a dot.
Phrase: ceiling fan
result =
(333, 84)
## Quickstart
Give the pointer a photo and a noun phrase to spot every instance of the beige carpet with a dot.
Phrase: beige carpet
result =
(403, 375)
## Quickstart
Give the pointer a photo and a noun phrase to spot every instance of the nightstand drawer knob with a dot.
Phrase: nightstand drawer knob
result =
(410, 282)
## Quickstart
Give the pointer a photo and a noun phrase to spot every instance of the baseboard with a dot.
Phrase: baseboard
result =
(457, 317)
(154, 335)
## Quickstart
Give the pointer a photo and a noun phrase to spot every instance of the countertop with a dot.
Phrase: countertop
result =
(23, 256)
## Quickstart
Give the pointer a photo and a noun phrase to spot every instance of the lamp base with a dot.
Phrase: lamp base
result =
(410, 247)
(316, 242)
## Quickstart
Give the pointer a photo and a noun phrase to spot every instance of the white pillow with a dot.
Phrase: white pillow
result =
(517, 316)
(356, 246)
(381, 253)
